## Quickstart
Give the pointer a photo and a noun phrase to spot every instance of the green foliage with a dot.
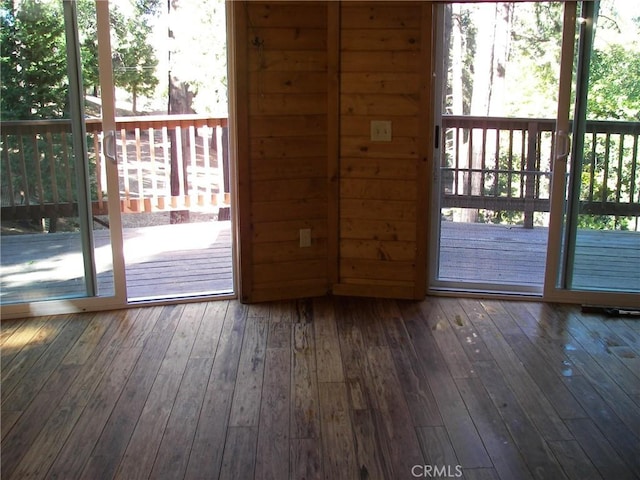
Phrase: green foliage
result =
(148, 7)
(88, 36)
(198, 55)
(534, 62)
(614, 89)
(134, 59)
(460, 23)
(35, 87)
(606, 175)
(614, 94)
(603, 222)
(532, 75)
(34, 67)
(33, 61)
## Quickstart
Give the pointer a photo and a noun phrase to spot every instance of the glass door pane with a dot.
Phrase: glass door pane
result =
(50, 162)
(603, 228)
(499, 104)
(170, 73)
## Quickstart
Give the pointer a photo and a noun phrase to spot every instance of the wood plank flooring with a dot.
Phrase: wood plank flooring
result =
(327, 388)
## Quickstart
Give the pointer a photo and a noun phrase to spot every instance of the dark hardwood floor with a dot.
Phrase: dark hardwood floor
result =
(334, 388)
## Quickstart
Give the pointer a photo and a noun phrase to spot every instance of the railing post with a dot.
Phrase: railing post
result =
(530, 174)
(225, 163)
(222, 149)
(8, 174)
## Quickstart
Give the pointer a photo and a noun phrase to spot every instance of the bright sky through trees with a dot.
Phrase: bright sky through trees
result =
(198, 53)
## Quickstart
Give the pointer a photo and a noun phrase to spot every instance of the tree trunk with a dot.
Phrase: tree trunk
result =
(494, 24)
(134, 101)
(180, 102)
(457, 60)
(457, 91)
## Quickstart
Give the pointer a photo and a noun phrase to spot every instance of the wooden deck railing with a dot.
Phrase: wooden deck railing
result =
(180, 162)
(504, 164)
(165, 163)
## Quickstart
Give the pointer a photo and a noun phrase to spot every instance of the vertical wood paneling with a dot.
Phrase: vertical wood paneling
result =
(285, 45)
(313, 77)
(382, 78)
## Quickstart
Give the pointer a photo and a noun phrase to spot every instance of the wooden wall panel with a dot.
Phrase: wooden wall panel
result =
(287, 85)
(380, 15)
(285, 104)
(382, 39)
(288, 14)
(381, 79)
(313, 77)
(406, 105)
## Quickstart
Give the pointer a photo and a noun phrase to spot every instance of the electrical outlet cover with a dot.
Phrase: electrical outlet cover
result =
(305, 237)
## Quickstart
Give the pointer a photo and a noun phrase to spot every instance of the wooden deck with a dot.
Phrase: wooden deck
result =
(195, 259)
(161, 261)
(178, 260)
(329, 388)
(486, 253)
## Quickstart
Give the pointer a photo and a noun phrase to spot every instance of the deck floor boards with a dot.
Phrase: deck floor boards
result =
(196, 259)
(322, 388)
(486, 253)
(161, 261)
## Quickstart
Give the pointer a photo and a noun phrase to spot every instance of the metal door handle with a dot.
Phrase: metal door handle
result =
(109, 146)
(562, 154)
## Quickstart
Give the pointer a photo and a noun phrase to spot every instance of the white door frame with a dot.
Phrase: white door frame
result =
(553, 288)
(49, 307)
(119, 299)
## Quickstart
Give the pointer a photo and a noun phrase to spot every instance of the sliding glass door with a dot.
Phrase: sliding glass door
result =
(496, 127)
(172, 146)
(538, 186)
(600, 208)
(48, 247)
(104, 206)
(53, 250)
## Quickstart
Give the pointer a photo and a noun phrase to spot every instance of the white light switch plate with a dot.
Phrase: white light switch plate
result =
(380, 130)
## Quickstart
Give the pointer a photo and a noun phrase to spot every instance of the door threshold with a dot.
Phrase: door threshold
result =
(467, 292)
